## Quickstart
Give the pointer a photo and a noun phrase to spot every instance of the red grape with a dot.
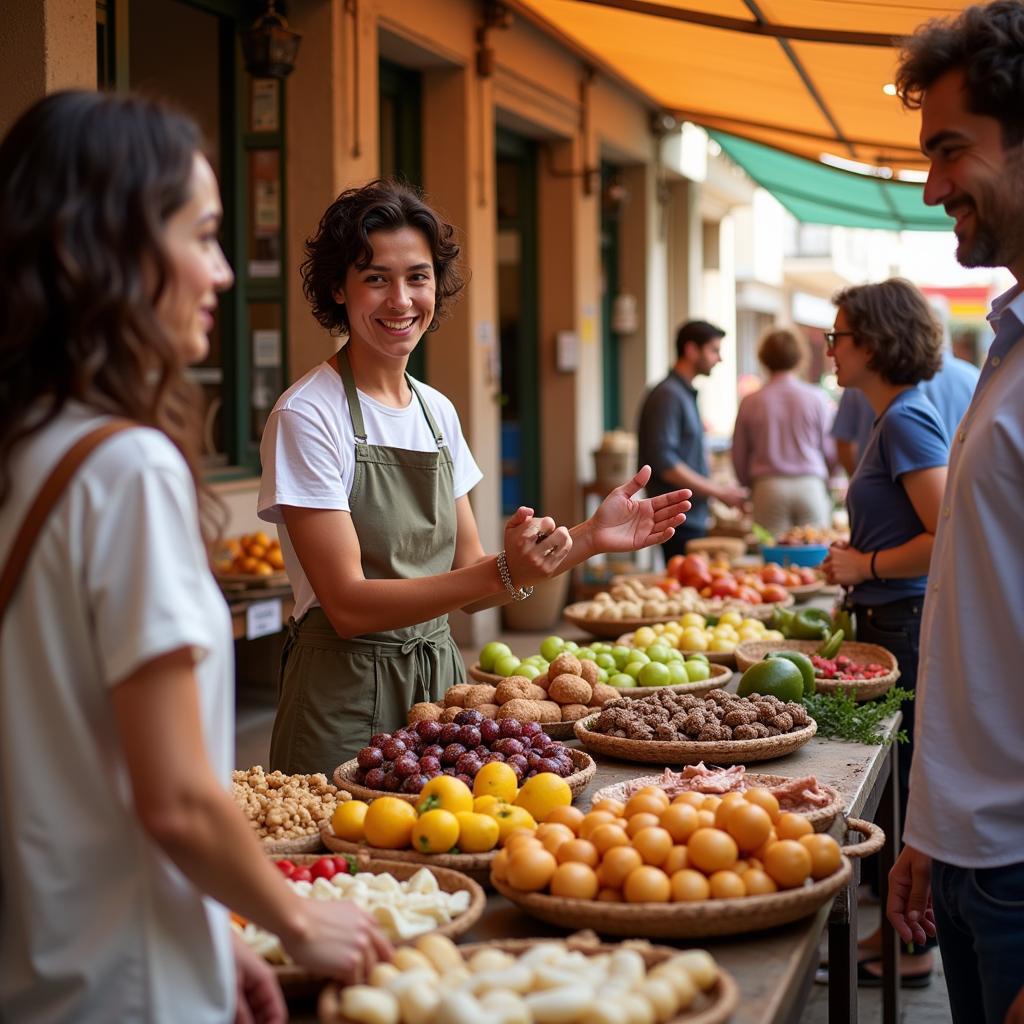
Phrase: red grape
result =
(379, 739)
(374, 778)
(428, 731)
(468, 764)
(532, 729)
(429, 764)
(449, 733)
(469, 736)
(406, 765)
(470, 716)
(370, 757)
(511, 727)
(394, 748)
(452, 753)
(490, 730)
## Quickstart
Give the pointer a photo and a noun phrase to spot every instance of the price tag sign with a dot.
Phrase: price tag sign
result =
(263, 618)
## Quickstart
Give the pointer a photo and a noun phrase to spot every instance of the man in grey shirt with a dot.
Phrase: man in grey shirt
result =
(671, 434)
(961, 873)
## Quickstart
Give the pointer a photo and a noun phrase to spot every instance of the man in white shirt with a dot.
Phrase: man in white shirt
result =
(961, 874)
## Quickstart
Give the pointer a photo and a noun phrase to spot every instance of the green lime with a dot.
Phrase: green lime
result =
(677, 673)
(775, 677)
(802, 662)
(621, 681)
(697, 671)
(655, 673)
(698, 656)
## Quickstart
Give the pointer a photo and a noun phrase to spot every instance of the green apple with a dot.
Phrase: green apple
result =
(507, 665)
(551, 647)
(605, 661)
(602, 675)
(585, 653)
(527, 671)
(621, 681)
(697, 671)
(571, 646)
(677, 672)
(698, 656)
(491, 653)
(621, 654)
(674, 655)
(634, 667)
(654, 674)
(638, 655)
(658, 652)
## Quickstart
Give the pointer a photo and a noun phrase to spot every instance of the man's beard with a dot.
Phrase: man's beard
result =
(998, 237)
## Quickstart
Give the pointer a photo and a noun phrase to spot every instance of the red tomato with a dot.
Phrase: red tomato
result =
(773, 593)
(301, 875)
(773, 573)
(698, 579)
(286, 867)
(750, 595)
(670, 586)
(807, 576)
(325, 867)
(724, 586)
(674, 566)
(695, 563)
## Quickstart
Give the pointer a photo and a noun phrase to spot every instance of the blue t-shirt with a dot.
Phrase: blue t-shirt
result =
(908, 436)
(950, 391)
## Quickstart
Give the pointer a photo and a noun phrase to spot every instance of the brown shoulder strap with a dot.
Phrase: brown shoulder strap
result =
(53, 487)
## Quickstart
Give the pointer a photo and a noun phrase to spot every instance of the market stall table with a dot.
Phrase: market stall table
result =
(775, 969)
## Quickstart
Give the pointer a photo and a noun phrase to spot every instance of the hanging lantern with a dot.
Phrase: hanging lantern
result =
(270, 45)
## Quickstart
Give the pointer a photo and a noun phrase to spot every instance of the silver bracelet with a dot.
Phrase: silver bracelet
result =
(516, 593)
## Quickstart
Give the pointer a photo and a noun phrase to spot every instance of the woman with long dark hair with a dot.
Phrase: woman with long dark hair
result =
(120, 847)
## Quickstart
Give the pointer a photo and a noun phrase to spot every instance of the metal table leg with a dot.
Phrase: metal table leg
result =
(889, 819)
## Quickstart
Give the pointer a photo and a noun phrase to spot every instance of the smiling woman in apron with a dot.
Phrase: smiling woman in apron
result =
(367, 476)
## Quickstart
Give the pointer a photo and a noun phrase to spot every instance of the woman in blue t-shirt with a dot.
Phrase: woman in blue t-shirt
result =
(886, 340)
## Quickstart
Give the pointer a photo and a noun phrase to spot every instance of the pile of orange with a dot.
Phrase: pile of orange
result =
(252, 554)
(653, 849)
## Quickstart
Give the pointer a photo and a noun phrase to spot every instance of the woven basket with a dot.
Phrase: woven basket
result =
(608, 628)
(719, 606)
(300, 844)
(662, 752)
(753, 651)
(820, 817)
(715, 1006)
(473, 865)
(344, 778)
(726, 658)
(806, 590)
(297, 981)
(735, 916)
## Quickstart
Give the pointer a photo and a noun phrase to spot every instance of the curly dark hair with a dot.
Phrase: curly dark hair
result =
(986, 43)
(781, 350)
(342, 240)
(87, 183)
(897, 326)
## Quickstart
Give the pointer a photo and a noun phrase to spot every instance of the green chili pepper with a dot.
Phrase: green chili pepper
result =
(782, 620)
(830, 648)
(844, 620)
(808, 626)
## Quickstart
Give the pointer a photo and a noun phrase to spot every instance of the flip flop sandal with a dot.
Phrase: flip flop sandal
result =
(867, 979)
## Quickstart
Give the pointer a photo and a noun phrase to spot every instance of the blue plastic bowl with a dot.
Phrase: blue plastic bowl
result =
(807, 555)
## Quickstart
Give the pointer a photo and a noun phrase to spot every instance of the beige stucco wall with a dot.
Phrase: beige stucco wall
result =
(44, 46)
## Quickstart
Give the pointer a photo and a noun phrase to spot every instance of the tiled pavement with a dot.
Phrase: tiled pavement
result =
(254, 718)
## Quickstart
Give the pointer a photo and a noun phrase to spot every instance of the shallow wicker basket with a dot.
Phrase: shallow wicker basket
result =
(297, 980)
(726, 658)
(691, 751)
(608, 628)
(715, 1006)
(753, 651)
(473, 865)
(300, 844)
(820, 817)
(735, 916)
(344, 778)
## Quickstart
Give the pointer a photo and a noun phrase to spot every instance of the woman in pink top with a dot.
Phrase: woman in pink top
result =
(781, 446)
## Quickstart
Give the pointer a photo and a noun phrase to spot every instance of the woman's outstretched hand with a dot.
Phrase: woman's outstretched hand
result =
(625, 523)
(534, 547)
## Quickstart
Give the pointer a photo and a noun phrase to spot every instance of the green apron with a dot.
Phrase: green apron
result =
(335, 694)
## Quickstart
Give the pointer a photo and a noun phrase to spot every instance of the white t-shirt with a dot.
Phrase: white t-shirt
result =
(96, 923)
(308, 452)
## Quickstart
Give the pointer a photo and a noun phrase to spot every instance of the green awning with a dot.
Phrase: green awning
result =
(818, 194)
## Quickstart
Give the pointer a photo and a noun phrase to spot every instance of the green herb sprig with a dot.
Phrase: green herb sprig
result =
(840, 716)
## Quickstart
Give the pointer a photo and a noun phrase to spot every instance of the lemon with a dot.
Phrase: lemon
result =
(435, 832)
(644, 637)
(348, 819)
(543, 793)
(389, 823)
(496, 779)
(691, 619)
(478, 833)
(730, 619)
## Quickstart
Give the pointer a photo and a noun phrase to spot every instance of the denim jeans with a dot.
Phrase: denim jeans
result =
(979, 916)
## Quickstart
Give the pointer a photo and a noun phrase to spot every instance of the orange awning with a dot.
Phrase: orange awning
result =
(806, 76)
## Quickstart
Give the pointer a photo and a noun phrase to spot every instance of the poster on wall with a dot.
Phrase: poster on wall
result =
(264, 105)
(265, 213)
